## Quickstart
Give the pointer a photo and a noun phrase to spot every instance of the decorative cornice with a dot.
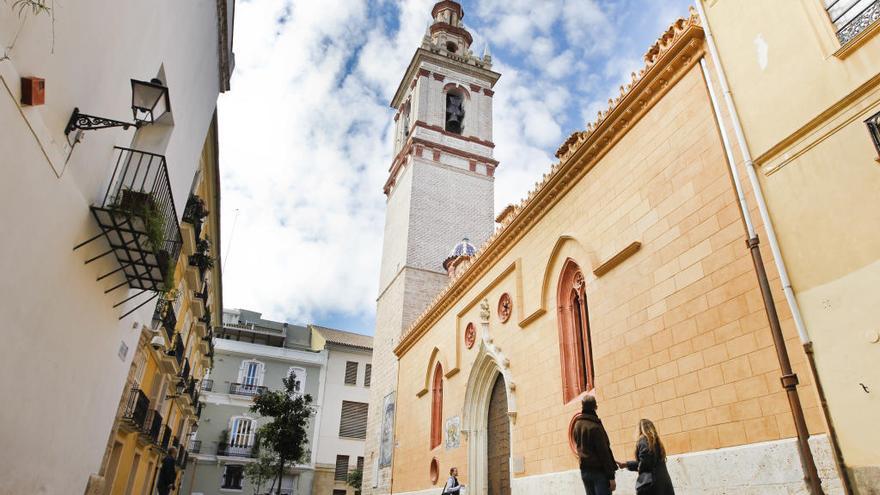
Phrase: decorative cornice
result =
(454, 30)
(473, 139)
(668, 59)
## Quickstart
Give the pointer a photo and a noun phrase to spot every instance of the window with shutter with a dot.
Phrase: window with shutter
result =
(351, 373)
(353, 423)
(360, 464)
(241, 433)
(300, 375)
(368, 372)
(341, 468)
(250, 374)
(852, 17)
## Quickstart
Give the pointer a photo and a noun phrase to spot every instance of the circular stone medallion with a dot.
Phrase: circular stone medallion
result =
(505, 306)
(470, 335)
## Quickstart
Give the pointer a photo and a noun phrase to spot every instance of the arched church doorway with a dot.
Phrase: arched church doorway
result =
(498, 436)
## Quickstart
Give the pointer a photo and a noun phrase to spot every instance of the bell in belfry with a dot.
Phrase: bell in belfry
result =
(454, 113)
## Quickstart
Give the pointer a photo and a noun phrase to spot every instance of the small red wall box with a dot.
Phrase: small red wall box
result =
(33, 91)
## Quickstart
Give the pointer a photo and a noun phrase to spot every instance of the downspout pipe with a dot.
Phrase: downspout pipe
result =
(771, 237)
(789, 377)
(753, 179)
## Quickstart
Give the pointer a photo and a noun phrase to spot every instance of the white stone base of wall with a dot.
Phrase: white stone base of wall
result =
(767, 468)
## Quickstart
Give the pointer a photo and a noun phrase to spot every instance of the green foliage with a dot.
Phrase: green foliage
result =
(286, 433)
(34, 7)
(355, 479)
(262, 470)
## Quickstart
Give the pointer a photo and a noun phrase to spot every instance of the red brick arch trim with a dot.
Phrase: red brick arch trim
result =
(464, 91)
(575, 347)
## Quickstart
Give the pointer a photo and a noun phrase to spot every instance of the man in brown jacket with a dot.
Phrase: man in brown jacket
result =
(594, 450)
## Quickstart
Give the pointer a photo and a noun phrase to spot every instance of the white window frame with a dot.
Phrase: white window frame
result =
(259, 372)
(301, 375)
(239, 438)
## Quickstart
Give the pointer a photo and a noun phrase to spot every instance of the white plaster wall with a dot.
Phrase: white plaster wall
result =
(62, 335)
(329, 444)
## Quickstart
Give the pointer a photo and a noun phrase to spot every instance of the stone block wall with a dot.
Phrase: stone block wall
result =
(679, 332)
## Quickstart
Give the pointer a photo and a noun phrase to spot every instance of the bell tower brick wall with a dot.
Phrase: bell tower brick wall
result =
(440, 189)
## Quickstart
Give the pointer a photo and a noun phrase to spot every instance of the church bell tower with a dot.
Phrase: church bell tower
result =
(440, 189)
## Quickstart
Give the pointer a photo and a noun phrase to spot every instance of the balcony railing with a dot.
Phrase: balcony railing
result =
(166, 437)
(203, 294)
(194, 213)
(246, 389)
(184, 372)
(192, 390)
(208, 384)
(201, 259)
(195, 446)
(231, 451)
(153, 426)
(138, 218)
(177, 350)
(136, 408)
(207, 318)
(165, 316)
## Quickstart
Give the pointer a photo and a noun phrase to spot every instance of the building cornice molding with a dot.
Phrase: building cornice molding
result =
(414, 70)
(667, 61)
(249, 350)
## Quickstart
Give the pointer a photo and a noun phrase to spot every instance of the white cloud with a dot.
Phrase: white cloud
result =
(305, 144)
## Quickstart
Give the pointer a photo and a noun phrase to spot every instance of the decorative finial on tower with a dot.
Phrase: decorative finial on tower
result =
(447, 30)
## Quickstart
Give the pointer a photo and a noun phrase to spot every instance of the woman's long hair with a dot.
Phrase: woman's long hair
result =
(649, 431)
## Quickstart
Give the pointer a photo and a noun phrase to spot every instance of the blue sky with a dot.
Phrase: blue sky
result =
(305, 143)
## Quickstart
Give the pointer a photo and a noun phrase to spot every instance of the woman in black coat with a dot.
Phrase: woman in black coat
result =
(650, 463)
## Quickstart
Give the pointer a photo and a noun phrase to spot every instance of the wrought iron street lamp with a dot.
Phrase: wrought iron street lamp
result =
(179, 388)
(149, 102)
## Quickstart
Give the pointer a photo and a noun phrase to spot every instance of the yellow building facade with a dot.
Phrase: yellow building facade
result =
(808, 97)
(159, 407)
(625, 274)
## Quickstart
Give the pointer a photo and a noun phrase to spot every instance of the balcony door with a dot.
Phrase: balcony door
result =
(250, 375)
(241, 436)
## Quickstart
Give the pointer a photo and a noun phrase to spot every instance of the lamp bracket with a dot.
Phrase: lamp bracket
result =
(87, 122)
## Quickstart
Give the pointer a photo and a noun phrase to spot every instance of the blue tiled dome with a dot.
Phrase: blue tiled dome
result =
(463, 248)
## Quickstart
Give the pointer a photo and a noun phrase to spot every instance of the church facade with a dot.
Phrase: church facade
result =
(624, 274)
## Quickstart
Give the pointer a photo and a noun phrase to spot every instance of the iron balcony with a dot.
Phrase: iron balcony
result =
(246, 389)
(139, 220)
(224, 449)
(136, 408)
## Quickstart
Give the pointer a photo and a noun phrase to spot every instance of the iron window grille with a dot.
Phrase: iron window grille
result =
(232, 477)
(873, 124)
(852, 17)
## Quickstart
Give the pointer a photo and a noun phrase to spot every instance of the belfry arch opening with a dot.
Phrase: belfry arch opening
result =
(455, 110)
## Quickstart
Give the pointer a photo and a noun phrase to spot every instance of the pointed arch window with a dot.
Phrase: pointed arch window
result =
(437, 406)
(575, 346)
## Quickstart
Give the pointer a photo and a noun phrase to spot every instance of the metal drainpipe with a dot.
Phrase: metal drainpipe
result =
(789, 378)
(774, 247)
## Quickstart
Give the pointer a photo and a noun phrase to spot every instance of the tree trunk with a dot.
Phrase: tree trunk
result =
(280, 474)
